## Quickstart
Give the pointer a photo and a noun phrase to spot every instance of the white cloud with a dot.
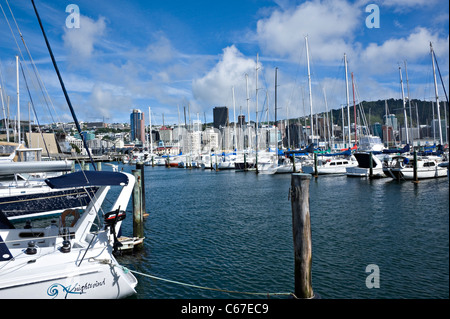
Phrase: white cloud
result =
(329, 25)
(81, 41)
(105, 102)
(161, 50)
(376, 58)
(215, 87)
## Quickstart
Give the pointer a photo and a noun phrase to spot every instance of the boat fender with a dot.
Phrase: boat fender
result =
(31, 249)
(406, 161)
(70, 212)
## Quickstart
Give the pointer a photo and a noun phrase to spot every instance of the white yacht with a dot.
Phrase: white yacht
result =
(402, 168)
(73, 260)
(331, 163)
(363, 169)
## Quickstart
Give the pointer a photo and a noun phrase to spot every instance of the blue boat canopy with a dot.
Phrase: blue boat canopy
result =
(88, 178)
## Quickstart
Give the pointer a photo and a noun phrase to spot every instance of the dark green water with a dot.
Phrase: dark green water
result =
(232, 231)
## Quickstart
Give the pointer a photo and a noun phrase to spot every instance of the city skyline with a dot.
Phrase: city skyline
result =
(196, 54)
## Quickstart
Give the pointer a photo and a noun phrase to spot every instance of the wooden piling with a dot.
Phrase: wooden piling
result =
(141, 166)
(316, 173)
(415, 177)
(370, 166)
(138, 213)
(301, 231)
(245, 162)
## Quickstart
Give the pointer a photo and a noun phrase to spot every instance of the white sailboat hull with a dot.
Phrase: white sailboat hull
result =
(364, 172)
(50, 275)
(408, 173)
(402, 168)
(68, 261)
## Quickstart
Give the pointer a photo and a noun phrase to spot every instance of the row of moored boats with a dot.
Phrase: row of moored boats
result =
(432, 162)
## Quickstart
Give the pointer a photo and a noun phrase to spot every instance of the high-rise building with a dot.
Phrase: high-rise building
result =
(241, 120)
(137, 126)
(220, 115)
(391, 120)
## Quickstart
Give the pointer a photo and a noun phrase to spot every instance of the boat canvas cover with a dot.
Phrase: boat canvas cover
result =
(393, 151)
(88, 178)
(347, 152)
(309, 149)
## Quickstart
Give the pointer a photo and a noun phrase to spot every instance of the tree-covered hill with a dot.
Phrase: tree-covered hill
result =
(375, 110)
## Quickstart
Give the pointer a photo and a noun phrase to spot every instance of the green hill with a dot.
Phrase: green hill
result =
(375, 110)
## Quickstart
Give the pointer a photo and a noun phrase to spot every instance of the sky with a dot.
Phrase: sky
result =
(174, 57)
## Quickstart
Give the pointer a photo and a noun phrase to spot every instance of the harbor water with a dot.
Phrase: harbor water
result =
(231, 232)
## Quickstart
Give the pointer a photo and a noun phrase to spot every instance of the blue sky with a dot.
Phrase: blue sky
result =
(171, 55)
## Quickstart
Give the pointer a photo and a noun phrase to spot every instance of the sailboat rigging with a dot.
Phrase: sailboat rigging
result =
(66, 95)
(437, 95)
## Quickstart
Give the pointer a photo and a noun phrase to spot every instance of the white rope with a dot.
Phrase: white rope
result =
(208, 288)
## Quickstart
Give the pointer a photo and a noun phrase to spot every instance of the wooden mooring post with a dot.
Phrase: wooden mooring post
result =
(301, 231)
(138, 212)
(141, 166)
(415, 177)
(316, 173)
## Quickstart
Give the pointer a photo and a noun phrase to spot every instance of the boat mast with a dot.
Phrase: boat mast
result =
(5, 116)
(328, 120)
(404, 106)
(256, 158)
(304, 117)
(348, 102)
(18, 97)
(418, 124)
(249, 137)
(276, 124)
(234, 120)
(63, 87)
(409, 103)
(354, 109)
(386, 123)
(437, 96)
(310, 93)
(150, 129)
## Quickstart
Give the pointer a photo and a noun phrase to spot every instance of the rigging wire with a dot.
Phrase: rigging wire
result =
(23, 59)
(64, 88)
(42, 87)
(34, 110)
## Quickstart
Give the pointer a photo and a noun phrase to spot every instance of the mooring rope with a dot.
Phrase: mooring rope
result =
(125, 269)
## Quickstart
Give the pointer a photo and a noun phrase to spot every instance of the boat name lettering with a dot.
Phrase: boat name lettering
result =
(79, 289)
